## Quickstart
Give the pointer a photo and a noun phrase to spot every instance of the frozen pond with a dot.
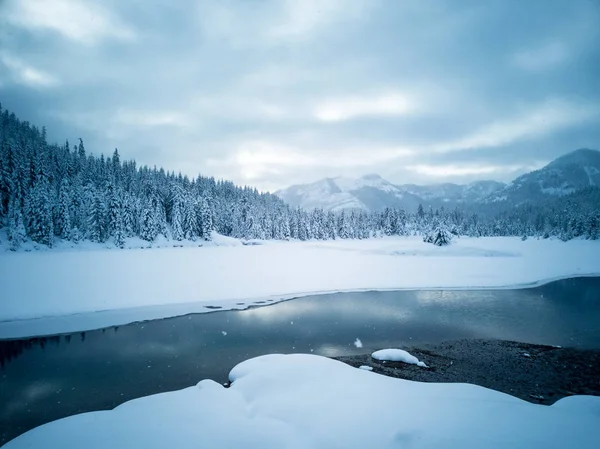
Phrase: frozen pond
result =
(44, 379)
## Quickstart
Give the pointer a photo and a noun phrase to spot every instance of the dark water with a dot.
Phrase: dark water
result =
(48, 378)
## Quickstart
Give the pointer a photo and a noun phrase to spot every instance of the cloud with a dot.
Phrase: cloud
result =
(546, 57)
(145, 118)
(274, 22)
(549, 117)
(381, 105)
(277, 92)
(258, 160)
(79, 20)
(451, 171)
(26, 74)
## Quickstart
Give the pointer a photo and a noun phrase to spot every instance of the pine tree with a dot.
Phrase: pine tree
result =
(97, 223)
(148, 225)
(206, 220)
(119, 231)
(189, 224)
(63, 215)
(39, 213)
(16, 229)
(176, 221)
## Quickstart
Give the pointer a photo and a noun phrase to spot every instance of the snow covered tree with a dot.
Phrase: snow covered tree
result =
(206, 220)
(148, 226)
(38, 212)
(119, 231)
(97, 222)
(439, 236)
(16, 230)
(176, 220)
(63, 213)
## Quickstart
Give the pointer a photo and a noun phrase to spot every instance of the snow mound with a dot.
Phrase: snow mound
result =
(221, 240)
(310, 402)
(397, 355)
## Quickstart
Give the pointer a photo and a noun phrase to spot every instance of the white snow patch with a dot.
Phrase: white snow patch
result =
(397, 355)
(358, 343)
(78, 290)
(310, 402)
(221, 240)
(366, 367)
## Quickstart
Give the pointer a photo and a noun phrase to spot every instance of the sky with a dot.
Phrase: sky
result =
(271, 93)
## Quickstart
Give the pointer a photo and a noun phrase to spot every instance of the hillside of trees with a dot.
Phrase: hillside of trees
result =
(50, 191)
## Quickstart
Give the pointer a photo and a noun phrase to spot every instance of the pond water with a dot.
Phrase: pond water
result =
(44, 379)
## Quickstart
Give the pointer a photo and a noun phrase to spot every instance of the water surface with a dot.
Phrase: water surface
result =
(44, 379)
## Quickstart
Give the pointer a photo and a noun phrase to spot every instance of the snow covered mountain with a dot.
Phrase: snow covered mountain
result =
(567, 174)
(370, 192)
(373, 193)
(452, 194)
(571, 172)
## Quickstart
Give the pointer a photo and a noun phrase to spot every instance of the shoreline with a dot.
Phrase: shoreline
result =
(50, 325)
(535, 373)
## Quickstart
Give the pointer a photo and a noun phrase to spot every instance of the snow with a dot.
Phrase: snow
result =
(305, 401)
(366, 367)
(66, 290)
(221, 240)
(358, 343)
(397, 355)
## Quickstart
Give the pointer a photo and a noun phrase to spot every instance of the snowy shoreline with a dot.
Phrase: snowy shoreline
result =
(121, 287)
(257, 406)
(88, 321)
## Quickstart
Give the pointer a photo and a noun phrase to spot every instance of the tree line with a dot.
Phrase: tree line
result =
(50, 191)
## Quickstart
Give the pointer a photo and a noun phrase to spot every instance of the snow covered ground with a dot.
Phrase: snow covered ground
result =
(88, 287)
(306, 401)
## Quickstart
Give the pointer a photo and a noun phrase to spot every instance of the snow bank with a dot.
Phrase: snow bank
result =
(47, 292)
(305, 401)
(221, 240)
(397, 355)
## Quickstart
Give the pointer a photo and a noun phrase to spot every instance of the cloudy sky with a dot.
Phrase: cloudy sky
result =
(277, 92)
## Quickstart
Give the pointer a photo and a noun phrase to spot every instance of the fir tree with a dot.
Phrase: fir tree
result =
(39, 213)
(63, 215)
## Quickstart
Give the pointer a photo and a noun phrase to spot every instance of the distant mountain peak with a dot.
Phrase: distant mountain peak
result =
(582, 156)
(571, 172)
(374, 193)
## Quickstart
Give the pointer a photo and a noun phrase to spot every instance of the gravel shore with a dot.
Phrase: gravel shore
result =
(535, 373)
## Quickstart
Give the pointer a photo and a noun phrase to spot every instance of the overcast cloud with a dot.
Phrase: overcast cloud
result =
(273, 93)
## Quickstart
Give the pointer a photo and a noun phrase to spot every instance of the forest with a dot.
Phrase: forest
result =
(50, 191)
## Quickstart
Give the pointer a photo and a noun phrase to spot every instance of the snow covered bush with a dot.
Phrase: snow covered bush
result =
(439, 236)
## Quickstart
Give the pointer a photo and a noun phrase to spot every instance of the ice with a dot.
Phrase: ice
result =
(358, 343)
(92, 287)
(311, 402)
(397, 355)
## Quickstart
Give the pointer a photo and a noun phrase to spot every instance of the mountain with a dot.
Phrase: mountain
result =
(453, 194)
(370, 192)
(569, 173)
(373, 193)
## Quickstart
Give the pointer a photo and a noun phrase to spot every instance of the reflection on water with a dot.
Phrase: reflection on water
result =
(42, 379)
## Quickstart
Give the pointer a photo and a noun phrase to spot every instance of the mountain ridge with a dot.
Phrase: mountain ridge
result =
(568, 173)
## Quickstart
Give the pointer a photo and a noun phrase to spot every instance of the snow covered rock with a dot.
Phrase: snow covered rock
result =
(397, 355)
